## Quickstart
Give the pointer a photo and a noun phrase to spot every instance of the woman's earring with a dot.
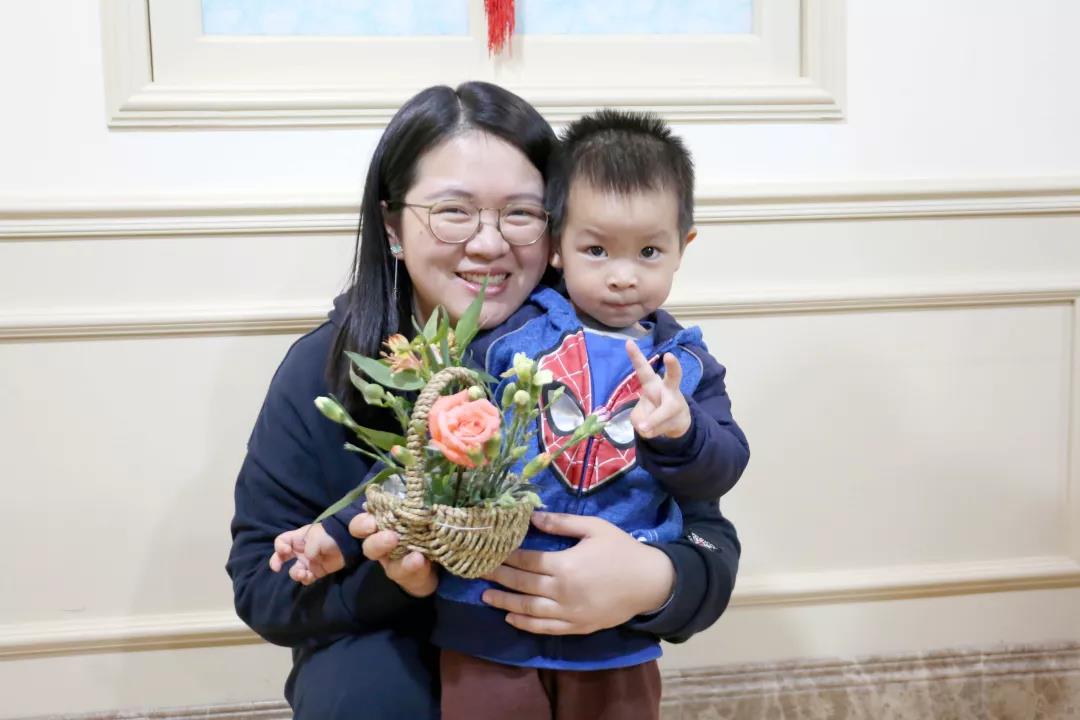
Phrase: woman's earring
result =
(396, 251)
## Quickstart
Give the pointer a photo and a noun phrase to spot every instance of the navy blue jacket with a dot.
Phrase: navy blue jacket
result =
(296, 467)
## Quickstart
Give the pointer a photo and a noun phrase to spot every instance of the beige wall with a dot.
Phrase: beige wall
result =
(894, 296)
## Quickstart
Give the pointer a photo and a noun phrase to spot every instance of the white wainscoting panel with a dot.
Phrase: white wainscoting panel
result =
(907, 383)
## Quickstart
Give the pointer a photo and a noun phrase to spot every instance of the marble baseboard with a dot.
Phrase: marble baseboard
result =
(1019, 683)
(1011, 683)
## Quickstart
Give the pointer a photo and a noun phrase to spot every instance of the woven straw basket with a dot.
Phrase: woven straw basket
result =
(468, 542)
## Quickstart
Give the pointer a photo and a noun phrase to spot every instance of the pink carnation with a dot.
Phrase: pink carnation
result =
(460, 426)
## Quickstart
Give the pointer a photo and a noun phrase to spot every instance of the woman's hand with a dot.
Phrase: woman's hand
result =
(414, 572)
(603, 581)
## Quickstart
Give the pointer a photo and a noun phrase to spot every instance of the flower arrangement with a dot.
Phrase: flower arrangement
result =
(462, 503)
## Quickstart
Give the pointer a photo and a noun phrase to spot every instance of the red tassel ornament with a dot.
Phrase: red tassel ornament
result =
(500, 18)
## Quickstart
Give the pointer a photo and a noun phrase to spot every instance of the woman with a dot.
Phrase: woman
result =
(359, 637)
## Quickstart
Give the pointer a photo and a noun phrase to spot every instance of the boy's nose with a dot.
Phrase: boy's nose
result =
(620, 279)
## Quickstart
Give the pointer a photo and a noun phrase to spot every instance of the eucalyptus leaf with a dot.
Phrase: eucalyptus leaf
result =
(382, 375)
(355, 493)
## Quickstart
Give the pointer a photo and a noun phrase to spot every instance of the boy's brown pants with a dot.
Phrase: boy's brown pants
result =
(475, 689)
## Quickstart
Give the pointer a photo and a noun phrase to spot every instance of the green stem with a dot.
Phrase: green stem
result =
(457, 486)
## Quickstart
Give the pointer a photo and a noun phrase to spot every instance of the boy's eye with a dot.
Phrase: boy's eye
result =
(594, 251)
(650, 252)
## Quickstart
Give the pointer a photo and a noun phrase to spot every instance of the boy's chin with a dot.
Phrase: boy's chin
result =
(613, 320)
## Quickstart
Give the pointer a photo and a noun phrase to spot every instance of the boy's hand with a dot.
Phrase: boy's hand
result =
(661, 410)
(287, 546)
(317, 554)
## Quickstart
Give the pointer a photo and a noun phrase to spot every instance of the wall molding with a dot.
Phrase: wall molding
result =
(44, 218)
(961, 684)
(157, 632)
(162, 322)
(906, 581)
(131, 633)
(302, 316)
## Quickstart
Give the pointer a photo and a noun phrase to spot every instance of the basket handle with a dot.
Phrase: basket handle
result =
(416, 437)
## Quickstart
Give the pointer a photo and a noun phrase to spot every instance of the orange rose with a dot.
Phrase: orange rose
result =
(460, 426)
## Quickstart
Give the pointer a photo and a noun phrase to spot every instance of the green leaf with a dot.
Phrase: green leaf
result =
(486, 378)
(444, 326)
(432, 325)
(382, 375)
(469, 323)
(355, 493)
(378, 438)
(444, 350)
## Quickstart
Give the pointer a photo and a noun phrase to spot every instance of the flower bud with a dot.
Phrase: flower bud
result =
(521, 397)
(524, 367)
(508, 395)
(518, 452)
(331, 409)
(535, 465)
(476, 455)
(532, 499)
(402, 455)
(493, 445)
(374, 394)
(477, 393)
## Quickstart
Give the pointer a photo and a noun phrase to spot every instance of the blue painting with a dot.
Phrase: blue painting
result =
(335, 17)
(635, 17)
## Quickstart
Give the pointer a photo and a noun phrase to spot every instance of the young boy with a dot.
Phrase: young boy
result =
(622, 209)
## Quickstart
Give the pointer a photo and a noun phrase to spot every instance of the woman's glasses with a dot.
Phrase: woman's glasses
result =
(456, 222)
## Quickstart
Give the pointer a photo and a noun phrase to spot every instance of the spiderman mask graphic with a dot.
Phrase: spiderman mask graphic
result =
(590, 465)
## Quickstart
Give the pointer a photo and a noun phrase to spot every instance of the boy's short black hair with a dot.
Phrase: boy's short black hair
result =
(623, 152)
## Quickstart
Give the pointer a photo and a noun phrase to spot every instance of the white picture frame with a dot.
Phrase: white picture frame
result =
(161, 71)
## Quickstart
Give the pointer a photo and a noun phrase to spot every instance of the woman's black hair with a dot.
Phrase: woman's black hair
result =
(423, 122)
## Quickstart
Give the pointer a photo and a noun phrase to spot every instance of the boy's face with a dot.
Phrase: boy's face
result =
(619, 253)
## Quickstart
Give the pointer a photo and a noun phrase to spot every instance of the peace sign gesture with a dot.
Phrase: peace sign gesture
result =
(661, 410)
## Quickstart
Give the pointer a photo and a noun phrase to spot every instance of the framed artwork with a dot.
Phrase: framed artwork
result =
(208, 63)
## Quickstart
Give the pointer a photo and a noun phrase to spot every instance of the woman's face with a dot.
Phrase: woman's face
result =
(487, 172)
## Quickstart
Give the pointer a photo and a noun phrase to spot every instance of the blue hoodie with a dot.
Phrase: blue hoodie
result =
(630, 484)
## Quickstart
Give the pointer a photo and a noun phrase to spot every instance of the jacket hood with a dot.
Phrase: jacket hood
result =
(340, 310)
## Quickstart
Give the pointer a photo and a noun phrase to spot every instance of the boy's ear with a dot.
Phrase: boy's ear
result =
(690, 235)
(556, 257)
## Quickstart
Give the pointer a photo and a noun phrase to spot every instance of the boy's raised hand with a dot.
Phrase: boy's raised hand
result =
(661, 410)
(317, 554)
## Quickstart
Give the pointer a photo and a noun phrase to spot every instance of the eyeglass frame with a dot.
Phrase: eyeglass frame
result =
(479, 222)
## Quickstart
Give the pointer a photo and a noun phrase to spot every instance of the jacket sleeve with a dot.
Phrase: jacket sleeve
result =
(708, 460)
(284, 483)
(337, 525)
(706, 560)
